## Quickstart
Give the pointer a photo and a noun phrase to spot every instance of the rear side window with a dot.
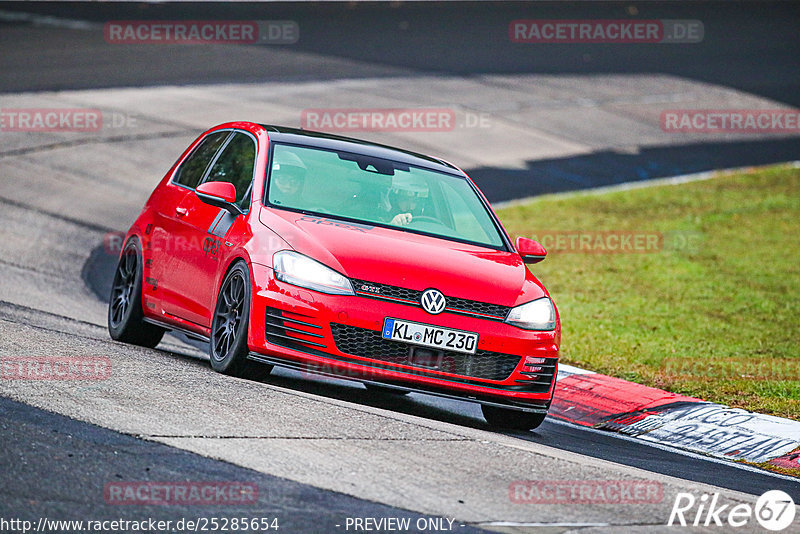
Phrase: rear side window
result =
(192, 169)
(235, 165)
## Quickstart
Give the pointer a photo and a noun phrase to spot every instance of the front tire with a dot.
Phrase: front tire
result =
(228, 343)
(511, 419)
(125, 316)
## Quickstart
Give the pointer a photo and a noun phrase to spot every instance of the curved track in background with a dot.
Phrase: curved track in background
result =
(302, 440)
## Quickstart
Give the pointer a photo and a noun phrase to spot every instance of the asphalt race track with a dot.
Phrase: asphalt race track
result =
(577, 92)
(320, 451)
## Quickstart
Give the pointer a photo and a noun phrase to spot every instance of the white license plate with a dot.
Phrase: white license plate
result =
(430, 336)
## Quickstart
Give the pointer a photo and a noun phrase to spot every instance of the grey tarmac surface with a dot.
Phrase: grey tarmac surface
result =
(58, 468)
(61, 193)
(751, 46)
(355, 444)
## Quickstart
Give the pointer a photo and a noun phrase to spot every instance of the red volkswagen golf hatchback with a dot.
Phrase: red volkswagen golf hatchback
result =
(340, 257)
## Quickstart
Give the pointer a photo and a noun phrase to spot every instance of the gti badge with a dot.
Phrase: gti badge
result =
(433, 301)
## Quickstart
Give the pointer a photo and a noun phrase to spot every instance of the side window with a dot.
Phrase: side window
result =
(235, 165)
(191, 170)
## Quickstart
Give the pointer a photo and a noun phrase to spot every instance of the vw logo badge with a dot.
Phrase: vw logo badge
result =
(433, 301)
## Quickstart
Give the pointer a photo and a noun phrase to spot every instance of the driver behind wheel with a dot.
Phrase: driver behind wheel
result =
(288, 174)
(406, 196)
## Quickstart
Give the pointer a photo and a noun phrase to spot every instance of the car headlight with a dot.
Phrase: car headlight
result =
(538, 314)
(296, 269)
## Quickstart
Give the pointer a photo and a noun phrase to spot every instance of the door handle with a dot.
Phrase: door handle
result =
(181, 212)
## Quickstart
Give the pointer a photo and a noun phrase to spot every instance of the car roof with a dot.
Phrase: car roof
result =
(284, 134)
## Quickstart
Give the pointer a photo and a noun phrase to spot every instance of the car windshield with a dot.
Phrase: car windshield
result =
(379, 191)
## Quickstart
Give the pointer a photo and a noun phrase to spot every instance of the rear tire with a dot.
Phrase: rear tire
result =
(228, 341)
(125, 316)
(511, 419)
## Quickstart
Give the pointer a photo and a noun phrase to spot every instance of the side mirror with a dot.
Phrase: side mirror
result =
(530, 250)
(219, 194)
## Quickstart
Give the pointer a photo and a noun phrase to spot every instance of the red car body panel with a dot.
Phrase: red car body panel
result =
(185, 264)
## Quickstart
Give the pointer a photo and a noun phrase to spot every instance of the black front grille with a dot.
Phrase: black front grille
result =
(474, 306)
(412, 296)
(369, 344)
(371, 289)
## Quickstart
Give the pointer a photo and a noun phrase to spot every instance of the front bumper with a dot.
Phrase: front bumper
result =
(340, 336)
